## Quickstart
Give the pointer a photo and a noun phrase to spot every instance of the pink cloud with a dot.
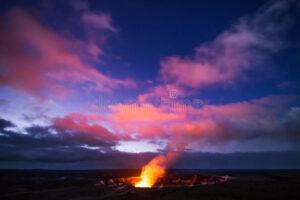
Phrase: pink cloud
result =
(162, 92)
(212, 124)
(152, 132)
(99, 21)
(86, 125)
(246, 120)
(227, 58)
(127, 113)
(232, 53)
(36, 59)
(142, 120)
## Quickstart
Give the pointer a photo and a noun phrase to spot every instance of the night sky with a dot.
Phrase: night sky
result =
(113, 83)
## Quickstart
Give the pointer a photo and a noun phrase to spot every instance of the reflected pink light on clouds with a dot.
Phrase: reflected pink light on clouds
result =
(40, 61)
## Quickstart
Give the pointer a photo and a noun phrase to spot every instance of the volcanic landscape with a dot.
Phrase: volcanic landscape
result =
(149, 99)
(177, 184)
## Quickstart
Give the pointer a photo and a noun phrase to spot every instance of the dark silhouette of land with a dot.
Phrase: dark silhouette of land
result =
(111, 184)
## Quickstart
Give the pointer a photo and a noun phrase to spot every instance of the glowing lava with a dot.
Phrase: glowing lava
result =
(154, 170)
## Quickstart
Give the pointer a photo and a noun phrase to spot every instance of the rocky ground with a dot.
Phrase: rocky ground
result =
(84, 185)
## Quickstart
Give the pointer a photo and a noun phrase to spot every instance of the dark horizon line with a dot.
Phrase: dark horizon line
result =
(171, 169)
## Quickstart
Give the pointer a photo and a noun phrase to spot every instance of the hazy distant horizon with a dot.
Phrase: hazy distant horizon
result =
(205, 161)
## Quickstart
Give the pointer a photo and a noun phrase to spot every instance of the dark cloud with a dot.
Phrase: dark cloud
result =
(272, 120)
(5, 124)
(48, 144)
(250, 160)
(63, 146)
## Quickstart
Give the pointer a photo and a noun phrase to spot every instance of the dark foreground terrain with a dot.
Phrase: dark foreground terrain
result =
(85, 185)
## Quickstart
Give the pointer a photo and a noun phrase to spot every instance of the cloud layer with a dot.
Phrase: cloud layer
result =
(41, 61)
(232, 53)
(242, 48)
(38, 60)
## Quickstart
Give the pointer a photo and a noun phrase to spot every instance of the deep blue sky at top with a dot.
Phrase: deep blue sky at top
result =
(152, 30)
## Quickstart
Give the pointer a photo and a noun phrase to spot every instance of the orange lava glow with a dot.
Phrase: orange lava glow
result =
(151, 172)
